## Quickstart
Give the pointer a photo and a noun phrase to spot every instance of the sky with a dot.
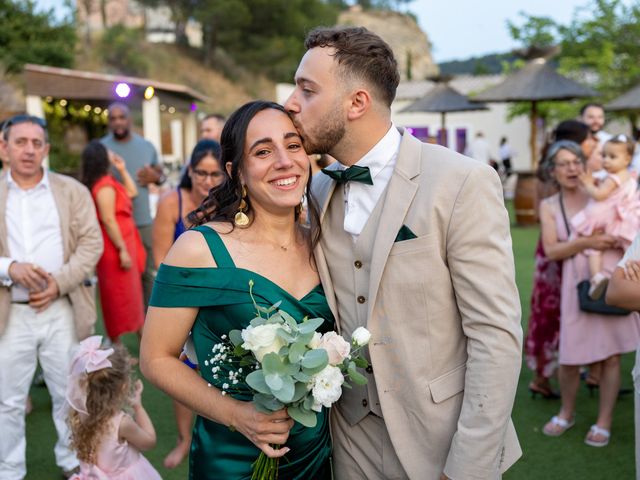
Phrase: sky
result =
(459, 29)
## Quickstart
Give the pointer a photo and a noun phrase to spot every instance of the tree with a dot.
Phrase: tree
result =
(29, 36)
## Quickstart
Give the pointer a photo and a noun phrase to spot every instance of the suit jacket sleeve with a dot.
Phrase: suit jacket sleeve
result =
(481, 265)
(86, 241)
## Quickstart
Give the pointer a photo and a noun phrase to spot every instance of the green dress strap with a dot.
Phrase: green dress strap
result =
(216, 245)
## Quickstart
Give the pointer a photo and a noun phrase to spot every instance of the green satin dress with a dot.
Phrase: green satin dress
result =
(222, 296)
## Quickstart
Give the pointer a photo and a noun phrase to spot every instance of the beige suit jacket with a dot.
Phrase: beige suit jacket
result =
(444, 314)
(82, 242)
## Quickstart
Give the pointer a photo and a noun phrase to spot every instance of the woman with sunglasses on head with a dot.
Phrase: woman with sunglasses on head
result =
(585, 338)
(203, 172)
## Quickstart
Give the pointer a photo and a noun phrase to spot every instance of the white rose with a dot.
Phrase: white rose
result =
(262, 339)
(327, 386)
(337, 347)
(315, 341)
(361, 336)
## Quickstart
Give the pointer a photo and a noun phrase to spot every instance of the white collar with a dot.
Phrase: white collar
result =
(381, 153)
(43, 183)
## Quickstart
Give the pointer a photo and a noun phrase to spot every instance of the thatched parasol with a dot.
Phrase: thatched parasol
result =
(444, 99)
(626, 101)
(537, 81)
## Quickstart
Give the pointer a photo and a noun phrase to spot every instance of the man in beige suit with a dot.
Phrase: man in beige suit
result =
(50, 242)
(416, 247)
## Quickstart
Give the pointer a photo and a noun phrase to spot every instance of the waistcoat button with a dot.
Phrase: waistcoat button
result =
(361, 299)
(357, 264)
(364, 402)
(369, 369)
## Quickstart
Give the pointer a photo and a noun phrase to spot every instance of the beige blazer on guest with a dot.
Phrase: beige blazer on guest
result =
(82, 241)
(444, 314)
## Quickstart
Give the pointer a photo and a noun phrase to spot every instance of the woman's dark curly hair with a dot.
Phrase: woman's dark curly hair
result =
(203, 149)
(94, 163)
(223, 201)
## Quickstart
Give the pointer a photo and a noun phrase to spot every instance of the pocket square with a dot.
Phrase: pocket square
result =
(405, 233)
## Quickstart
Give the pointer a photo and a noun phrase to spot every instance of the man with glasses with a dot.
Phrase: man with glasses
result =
(141, 159)
(50, 242)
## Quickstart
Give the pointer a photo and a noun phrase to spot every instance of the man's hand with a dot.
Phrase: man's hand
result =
(632, 270)
(444, 477)
(29, 275)
(40, 301)
(147, 175)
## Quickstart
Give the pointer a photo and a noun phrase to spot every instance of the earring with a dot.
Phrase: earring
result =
(241, 219)
(298, 209)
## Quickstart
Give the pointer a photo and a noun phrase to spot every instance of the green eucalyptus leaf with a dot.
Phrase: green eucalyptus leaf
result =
(310, 325)
(257, 382)
(282, 333)
(271, 403)
(236, 337)
(315, 358)
(297, 351)
(257, 321)
(305, 337)
(300, 391)
(273, 381)
(312, 371)
(271, 363)
(303, 416)
(302, 377)
(308, 402)
(287, 390)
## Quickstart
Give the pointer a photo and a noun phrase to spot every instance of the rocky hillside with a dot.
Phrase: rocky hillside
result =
(410, 44)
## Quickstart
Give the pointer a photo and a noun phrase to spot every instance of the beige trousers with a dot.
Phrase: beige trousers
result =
(363, 451)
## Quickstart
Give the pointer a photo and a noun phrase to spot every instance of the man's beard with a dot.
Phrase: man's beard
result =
(331, 132)
(120, 134)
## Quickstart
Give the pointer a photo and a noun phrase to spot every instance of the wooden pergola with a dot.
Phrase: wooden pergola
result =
(100, 89)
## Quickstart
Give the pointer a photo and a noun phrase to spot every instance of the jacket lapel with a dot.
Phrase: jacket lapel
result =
(57, 190)
(323, 188)
(400, 193)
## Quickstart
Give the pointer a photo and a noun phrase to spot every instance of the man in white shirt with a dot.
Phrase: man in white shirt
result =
(480, 149)
(50, 242)
(405, 253)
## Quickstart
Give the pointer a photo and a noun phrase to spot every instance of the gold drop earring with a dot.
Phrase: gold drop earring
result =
(241, 219)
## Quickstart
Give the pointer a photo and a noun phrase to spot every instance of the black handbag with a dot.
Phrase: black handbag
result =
(586, 303)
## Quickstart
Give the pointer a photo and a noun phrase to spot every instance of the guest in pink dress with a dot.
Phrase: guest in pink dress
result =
(584, 337)
(614, 207)
(108, 440)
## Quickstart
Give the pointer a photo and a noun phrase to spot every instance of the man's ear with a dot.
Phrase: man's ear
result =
(361, 102)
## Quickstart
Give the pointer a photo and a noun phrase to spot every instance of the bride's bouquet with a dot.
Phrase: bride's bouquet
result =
(287, 364)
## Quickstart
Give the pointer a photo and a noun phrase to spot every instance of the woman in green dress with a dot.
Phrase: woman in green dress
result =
(248, 229)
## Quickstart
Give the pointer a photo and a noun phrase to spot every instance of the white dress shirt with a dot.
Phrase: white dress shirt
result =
(360, 199)
(33, 229)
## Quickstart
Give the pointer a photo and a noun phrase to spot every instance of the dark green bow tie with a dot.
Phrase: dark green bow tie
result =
(354, 173)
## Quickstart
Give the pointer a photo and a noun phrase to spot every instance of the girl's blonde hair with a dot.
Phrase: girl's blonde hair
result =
(107, 393)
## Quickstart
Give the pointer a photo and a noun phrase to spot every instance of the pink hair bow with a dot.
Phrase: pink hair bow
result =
(89, 358)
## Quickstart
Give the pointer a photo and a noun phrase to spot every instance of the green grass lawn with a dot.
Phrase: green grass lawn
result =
(566, 457)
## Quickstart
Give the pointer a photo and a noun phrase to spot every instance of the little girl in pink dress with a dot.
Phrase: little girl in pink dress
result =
(614, 208)
(106, 439)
